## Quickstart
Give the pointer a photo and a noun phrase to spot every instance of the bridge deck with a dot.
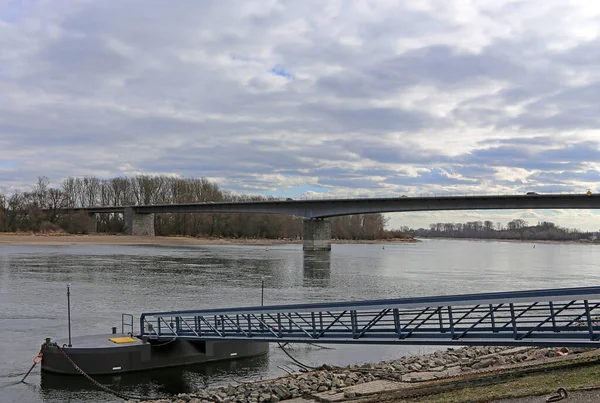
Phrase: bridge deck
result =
(321, 208)
(554, 317)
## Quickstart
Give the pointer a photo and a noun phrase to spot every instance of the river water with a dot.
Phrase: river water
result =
(109, 280)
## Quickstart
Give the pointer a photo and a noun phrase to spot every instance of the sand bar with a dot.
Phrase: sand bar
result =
(97, 239)
(106, 239)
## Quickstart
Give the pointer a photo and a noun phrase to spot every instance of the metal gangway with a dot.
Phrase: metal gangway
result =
(550, 317)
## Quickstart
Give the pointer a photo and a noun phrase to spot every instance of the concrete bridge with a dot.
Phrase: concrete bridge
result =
(139, 220)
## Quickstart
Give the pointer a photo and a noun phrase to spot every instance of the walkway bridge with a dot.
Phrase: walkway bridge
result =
(551, 317)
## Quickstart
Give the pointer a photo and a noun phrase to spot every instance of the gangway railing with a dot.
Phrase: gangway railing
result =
(551, 317)
(127, 322)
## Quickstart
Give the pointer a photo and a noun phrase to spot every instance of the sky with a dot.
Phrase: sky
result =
(308, 98)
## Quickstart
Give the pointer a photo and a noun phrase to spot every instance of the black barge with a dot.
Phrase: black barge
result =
(119, 353)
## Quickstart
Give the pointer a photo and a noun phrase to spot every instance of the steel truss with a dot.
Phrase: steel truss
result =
(554, 317)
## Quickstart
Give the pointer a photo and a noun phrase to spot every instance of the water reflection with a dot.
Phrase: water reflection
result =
(156, 383)
(316, 268)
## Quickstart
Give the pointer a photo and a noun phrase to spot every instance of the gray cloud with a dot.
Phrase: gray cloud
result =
(433, 65)
(375, 99)
(535, 154)
(368, 120)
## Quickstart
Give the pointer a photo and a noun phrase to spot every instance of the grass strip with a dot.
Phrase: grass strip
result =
(578, 378)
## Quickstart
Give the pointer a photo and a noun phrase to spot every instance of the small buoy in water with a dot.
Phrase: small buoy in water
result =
(383, 247)
(533, 246)
(266, 248)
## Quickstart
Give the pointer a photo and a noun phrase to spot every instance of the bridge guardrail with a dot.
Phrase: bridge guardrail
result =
(339, 197)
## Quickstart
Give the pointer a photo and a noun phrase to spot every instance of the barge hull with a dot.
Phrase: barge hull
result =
(97, 355)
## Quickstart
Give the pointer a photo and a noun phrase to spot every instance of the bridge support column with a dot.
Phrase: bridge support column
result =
(138, 224)
(316, 233)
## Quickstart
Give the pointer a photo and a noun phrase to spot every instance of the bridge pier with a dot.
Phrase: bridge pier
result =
(138, 224)
(316, 234)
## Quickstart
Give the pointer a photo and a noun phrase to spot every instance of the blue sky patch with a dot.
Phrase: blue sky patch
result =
(280, 71)
(7, 164)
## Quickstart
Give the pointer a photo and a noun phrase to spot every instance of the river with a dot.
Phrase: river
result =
(109, 280)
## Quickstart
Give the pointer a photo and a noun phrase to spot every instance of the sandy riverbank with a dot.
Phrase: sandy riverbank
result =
(105, 239)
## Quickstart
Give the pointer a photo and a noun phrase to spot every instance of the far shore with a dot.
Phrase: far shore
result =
(534, 241)
(55, 239)
(33, 239)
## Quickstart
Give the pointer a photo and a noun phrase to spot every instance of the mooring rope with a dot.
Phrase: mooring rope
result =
(560, 394)
(295, 360)
(36, 361)
(165, 343)
(98, 384)
(321, 347)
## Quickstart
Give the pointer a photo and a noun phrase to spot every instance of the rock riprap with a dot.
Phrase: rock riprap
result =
(437, 365)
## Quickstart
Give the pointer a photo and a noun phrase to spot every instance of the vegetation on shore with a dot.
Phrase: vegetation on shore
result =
(582, 378)
(513, 230)
(39, 210)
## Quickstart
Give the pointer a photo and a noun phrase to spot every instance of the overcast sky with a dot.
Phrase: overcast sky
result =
(301, 98)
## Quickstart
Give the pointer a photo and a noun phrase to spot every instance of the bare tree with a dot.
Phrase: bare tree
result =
(40, 191)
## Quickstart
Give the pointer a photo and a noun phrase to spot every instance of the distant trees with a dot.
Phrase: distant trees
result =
(23, 211)
(515, 229)
(362, 226)
(516, 225)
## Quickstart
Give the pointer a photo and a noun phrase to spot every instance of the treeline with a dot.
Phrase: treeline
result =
(39, 210)
(515, 229)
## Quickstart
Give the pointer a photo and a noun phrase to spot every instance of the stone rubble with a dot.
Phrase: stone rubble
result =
(439, 364)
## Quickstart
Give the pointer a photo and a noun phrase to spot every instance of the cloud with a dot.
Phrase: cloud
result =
(371, 98)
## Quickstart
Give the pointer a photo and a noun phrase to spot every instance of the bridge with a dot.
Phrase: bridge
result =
(139, 220)
(551, 317)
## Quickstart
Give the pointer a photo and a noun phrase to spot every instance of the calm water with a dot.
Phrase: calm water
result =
(108, 280)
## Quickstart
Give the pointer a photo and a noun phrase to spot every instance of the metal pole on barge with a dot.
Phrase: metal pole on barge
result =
(262, 291)
(69, 310)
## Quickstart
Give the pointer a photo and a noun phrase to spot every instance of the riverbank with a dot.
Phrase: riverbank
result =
(55, 239)
(532, 241)
(453, 373)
